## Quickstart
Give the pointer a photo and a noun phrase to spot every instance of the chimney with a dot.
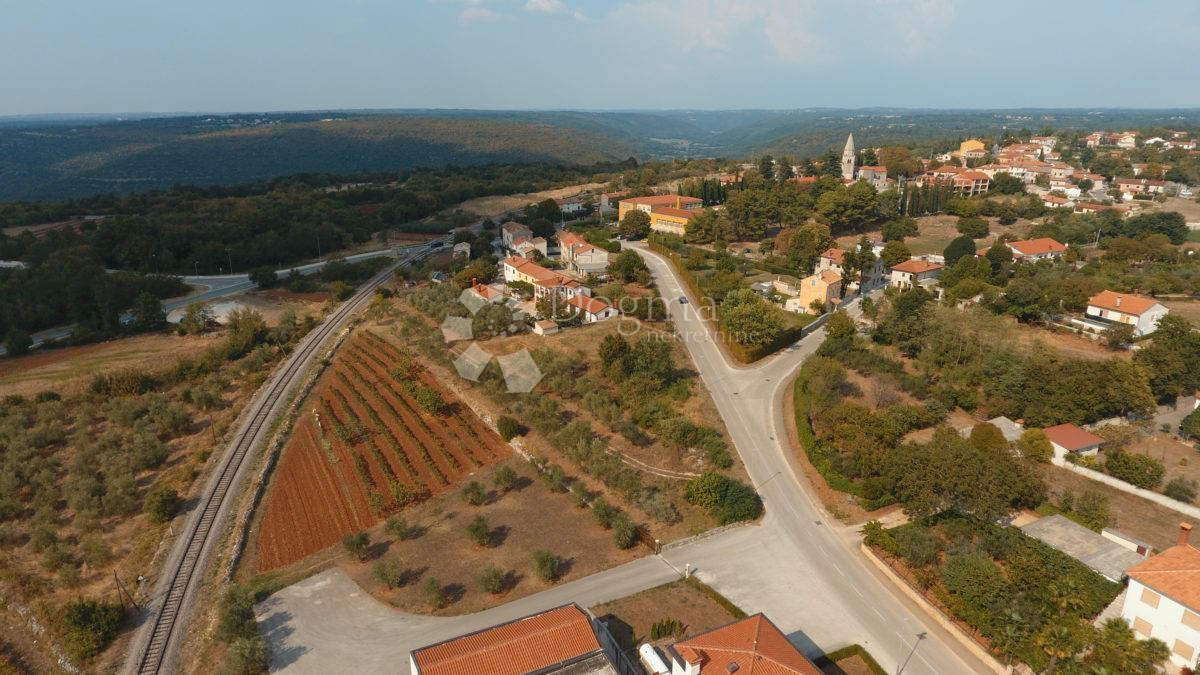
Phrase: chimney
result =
(1185, 529)
(1118, 301)
(678, 203)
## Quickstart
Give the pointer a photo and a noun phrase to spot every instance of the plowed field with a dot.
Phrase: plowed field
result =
(372, 439)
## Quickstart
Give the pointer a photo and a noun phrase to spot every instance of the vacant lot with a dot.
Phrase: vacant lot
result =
(1145, 520)
(936, 232)
(1189, 310)
(378, 434)
(1070, 344)
(630, 619)
(492, 207)
(436, 546)
(1180, 459)
(68, 370)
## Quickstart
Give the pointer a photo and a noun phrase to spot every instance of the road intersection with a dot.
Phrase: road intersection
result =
(797, 565)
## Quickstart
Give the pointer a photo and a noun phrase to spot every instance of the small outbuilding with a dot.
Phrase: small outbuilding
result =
(1068, 438)
(545, 327)
(1104, 556)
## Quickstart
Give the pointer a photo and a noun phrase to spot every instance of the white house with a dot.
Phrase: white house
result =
(543, 280)
(1135, 310)
(591, 309)
(1068, 438)
(511, 232)
(569, 205)
(526, 246)
(911, 273)
(834, 260)
(1163, 599)
(581, 257)
(1042, 248)
(751, 645)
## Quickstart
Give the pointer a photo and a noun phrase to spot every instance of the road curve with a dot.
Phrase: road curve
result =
(157, 640)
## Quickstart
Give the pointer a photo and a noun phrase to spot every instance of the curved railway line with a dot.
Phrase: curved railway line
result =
(158, 638)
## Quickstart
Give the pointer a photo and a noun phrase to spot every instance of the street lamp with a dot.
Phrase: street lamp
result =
(920, 636)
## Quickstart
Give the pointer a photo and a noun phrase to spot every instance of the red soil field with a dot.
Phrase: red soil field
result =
(362, 449)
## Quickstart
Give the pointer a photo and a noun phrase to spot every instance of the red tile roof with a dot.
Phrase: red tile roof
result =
(1126, 303)
(1174, 573)
(915, 266)
(587, 304)
(754, 645)
(837, 255)
(529, 644)
(1072, 437)
(1037, 246)
(527, 266)
(663, 200)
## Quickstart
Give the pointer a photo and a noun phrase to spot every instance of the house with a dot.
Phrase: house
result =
(832, 259)
(591, 309)
(491, 292)
(875, 175)
(1127, 141)
(750, 646)
(971, 145)
(570, 205)
(668, 213)
(1042, 248)
(1163, 599)
(1052, 202)
(543, 280)
(609, 199)
(971, 183)
(526, 246)
(581, 257)
(1092, 207)
(564, 640)
(824, 287)
(545, 327)
(911, 273)
(1104, 556)
(1135, 310)
(511, 231)
(1068, 438)
(1047, 142)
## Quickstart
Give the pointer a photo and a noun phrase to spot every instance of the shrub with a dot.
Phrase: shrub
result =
(357, 544)
(435, 595)
(579, 495)
(1034, 446)
(624, 532)
(606, 514)
(509, 428)
(1136, 469)
(474, 494)
(1091, 510)
(973, 227)
(479, 531)
(492, 580)
(546, 565)
(162, 504)
(390, 573)
(505, 478)
(88, 626)
(1181, 489)
(17, 342)
(917, 545)
(726, 500)
(666, 628)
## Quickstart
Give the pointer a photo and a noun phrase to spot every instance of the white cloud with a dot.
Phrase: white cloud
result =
(552, 7)
(787, 26)
(478, 15)
(918, 23)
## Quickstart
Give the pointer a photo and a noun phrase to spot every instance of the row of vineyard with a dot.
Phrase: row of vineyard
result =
(380, 433)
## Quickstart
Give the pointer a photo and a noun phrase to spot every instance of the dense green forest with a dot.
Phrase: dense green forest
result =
(72, 157)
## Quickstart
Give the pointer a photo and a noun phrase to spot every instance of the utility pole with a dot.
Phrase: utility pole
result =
(920, 636)
(229, 256)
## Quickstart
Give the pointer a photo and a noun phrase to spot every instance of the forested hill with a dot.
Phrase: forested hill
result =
(58, 161)
(61, 157)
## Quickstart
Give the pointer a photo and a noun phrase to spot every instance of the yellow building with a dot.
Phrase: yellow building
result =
(824, 287)
(668, 213)
(971, 145)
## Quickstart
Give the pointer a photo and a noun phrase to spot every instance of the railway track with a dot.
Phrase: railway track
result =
(156, 641)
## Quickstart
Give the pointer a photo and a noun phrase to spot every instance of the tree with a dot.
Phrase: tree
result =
(17, 343)
(703, 227)
(785, 170)
(264, 277)
(435, 595)
(1136, 469)
(1091, 509)
(546, 565)
(1115, 649)
(473, 493)
(727, 500)
(357, 544)
(626, 266)
(1172, 359)
(750, 320)
(481, 271)
(959, 247)
(1004, 183)
(849, 209)
(162, 504)
(148, 313)
(1181, 489)
(505, 478)
(1190, 426)
(480, 531)
(898, 229)
(1034, 446)
(973, 227)
(635, 224)
(89, 626)
(195, 319)
(766, 167)
(988, 437)
(894, 253)
(613, 350)
(492, 580)
(1118, 335)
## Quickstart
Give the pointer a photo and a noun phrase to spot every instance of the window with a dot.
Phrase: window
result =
(1149, 597)
(1191, 620)
(1185, 650)
(1143, 627)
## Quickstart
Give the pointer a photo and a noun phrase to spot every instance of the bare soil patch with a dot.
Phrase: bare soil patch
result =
(1189, 310)
(499, 205)
(1070, 344)
(526, 519)
(1179, 458)
(936, 232)
(630, 619)
(68, 370)
(1140, 518)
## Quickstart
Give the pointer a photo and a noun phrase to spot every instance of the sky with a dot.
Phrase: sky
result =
(78, 56)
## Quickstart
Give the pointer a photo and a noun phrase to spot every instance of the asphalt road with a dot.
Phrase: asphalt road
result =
(804, 570)
(220, 286)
